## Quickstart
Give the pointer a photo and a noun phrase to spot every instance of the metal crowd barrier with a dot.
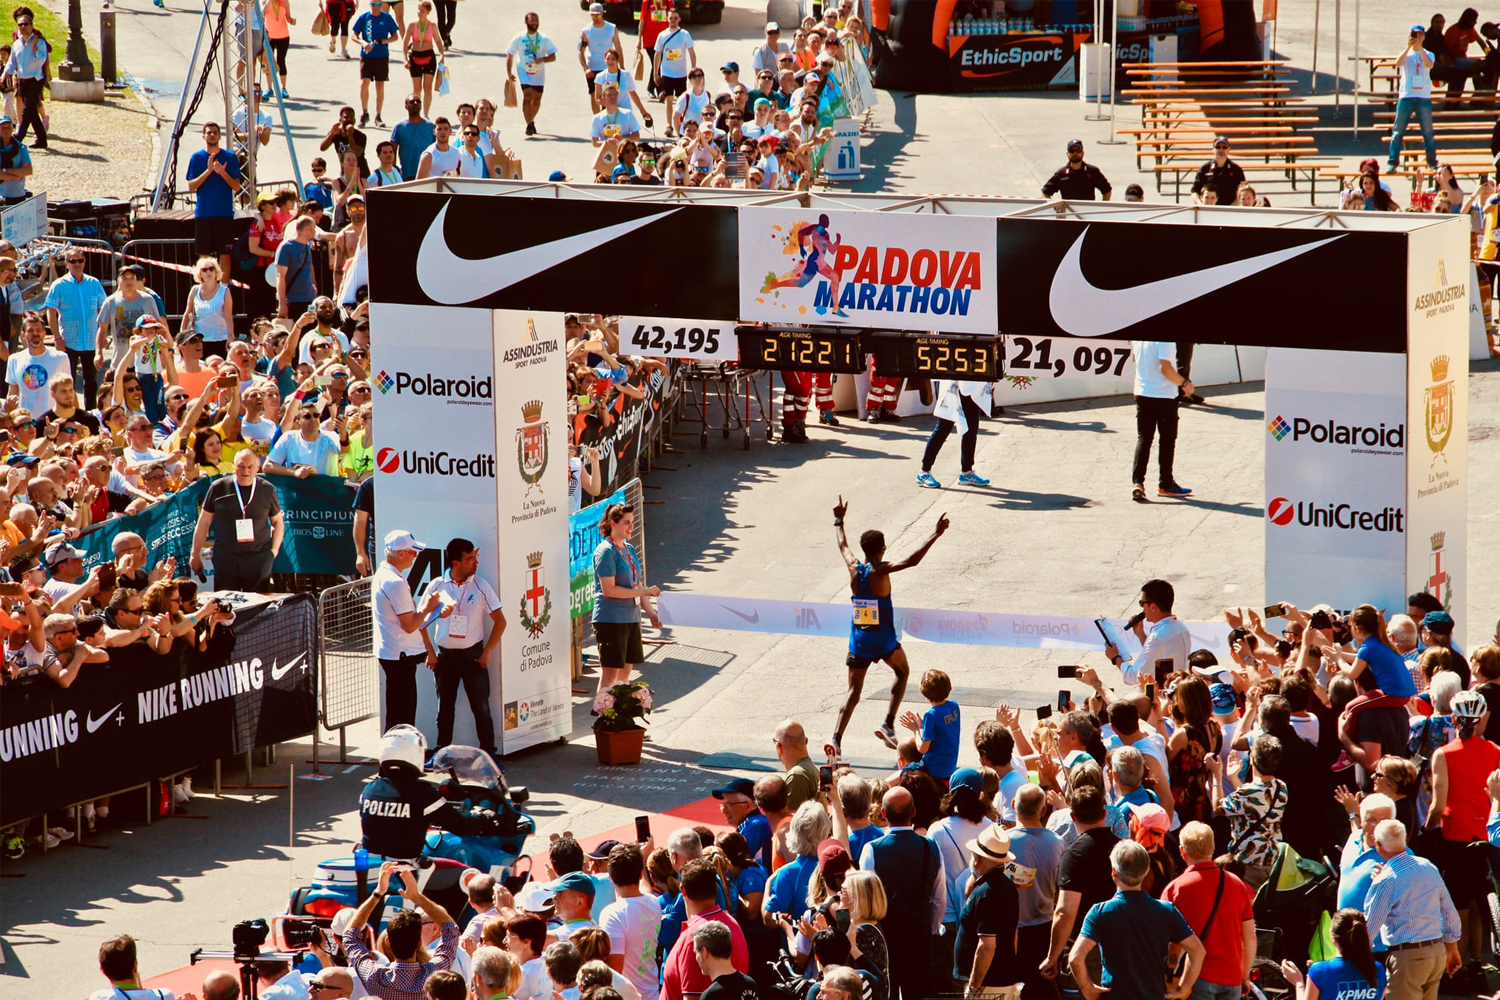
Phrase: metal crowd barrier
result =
(347, 692)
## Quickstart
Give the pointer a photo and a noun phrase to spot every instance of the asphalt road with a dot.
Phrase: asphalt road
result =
(1057, 533)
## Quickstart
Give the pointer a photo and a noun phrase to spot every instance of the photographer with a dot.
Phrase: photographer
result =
(404, 977)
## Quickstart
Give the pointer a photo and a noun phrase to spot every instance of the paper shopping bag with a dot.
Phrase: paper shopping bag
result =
(511, 101)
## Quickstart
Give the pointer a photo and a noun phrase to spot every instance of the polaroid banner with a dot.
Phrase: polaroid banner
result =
(531, 505)
(1437, 450)
(435, 444)
(868, 269)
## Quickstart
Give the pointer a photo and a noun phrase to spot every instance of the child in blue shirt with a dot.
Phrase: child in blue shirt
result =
(937, 731)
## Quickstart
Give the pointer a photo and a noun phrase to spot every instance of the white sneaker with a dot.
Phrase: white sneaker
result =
(50, 840)
(186, 784)
(179, 794)
(60, 832)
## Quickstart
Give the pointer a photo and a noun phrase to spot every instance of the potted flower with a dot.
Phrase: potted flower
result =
(620, 729)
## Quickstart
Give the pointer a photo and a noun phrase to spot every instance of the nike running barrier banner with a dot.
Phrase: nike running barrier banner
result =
(966, 628)
(145, 716)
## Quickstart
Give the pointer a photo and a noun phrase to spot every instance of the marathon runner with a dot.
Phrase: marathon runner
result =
(872, 628)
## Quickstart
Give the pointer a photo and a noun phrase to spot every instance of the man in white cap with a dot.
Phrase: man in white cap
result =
(984, 954)
(402, 641)
(765, 56)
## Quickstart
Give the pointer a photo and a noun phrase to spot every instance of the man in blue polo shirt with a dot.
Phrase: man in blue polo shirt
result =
(73, 304)
(213, 174)
(737, 804)
(1133, 931)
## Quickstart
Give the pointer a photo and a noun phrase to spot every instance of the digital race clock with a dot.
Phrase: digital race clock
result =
(800, 349)
(932, 356)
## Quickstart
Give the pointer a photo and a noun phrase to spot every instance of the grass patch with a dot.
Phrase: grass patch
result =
(53, 26)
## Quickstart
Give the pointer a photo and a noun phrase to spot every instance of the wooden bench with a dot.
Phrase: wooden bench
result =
(1295, 165)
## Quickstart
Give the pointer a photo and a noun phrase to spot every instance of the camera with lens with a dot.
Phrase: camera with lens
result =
(248, 936)
(299, 934)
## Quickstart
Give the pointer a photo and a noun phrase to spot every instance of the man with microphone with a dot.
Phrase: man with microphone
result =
(1166, 639)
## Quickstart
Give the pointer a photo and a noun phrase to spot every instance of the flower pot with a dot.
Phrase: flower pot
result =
(620, 748)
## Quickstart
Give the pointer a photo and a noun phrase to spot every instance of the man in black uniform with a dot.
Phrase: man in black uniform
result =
(396, 808)
(248, 527)
(1078, 180)
(1221, 173)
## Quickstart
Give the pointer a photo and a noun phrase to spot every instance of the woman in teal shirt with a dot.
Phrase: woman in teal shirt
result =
(619, 598)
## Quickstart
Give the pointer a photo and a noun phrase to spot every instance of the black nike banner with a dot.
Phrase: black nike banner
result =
(144, 716)
(1325, 289)
(550, 253)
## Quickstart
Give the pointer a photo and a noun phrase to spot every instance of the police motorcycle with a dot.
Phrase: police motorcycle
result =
(446, 819)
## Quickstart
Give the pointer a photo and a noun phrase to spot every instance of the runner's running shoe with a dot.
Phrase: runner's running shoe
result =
(928, 480)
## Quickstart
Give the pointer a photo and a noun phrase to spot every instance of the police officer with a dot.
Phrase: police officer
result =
(396, 808)
(1077, 181)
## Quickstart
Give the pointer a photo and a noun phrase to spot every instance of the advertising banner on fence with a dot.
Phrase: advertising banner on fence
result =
(1335, 466)
(583, 539)
(959, 626)
(531, 503)
(897, 272)
(622, 428)
(1437, 411)
(435, 444)
(318, 512)
(146, 715)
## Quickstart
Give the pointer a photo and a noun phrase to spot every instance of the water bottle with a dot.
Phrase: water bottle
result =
(361, 859)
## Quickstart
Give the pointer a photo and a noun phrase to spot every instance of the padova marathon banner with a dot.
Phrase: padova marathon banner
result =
(144, 715)
(896, 272)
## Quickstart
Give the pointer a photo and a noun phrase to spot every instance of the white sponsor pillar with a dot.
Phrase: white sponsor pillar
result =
(533, 700)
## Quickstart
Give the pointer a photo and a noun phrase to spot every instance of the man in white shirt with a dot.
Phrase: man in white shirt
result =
(1156, 385)
(401, 642)
(440, 158)
(614, 122)
(530, 52)
(310, 451)
(1168, 638)
(463, 655)
(765, 56)
(632, 921)
(675, 56)
(592, 42)
(1414, 66)
(255, 426)
(29, 371)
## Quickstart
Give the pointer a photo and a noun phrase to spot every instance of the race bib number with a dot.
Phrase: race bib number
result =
(659, 16)
(866, 613)
(674, 54)
(531, 69)
(1021, 875)
(610, 131)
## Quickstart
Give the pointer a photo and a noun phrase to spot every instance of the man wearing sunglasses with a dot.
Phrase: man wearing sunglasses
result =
(73, 304)
(27, 73)
(64, 655)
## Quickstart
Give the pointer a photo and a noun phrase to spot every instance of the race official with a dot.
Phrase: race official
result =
(1077, 181)
(463, 654)
(401, 642)
(248, 527)
(1157, 382)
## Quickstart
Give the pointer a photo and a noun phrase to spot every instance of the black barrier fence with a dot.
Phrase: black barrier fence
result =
(145, 715)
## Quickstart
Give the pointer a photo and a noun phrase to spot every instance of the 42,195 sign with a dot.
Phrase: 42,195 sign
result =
(1067, 357)
(691, 339)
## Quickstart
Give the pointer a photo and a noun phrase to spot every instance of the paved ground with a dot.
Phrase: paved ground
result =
(1057, 534)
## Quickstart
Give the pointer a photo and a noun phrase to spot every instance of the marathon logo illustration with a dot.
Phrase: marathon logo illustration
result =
(1381, 439)
(845, 277)
(1283, 511)
(1026, 57)
(469, 391)
(534, 351)
(1444, 297)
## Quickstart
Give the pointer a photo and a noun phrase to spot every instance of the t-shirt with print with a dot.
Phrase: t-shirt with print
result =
(633, 924)
(270, 232)
(1255, 810)
(31, 373)
(119, 315)
(733, 986)
(674, 47)
(1341, 979)
(528, 50)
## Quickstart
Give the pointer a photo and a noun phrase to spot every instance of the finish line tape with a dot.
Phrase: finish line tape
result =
(957, 627)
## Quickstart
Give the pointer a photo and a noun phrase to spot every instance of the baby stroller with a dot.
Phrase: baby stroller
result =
(1293, 902)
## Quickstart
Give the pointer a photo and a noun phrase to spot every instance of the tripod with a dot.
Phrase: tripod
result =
(249, 977)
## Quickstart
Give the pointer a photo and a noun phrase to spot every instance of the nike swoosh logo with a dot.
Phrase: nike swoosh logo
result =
(278, 671)
(452, 280)
(751, 618)
(94, 723)
(1084, 310)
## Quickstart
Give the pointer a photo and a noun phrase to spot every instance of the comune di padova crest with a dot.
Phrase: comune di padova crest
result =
(536, 602)
(531, 445)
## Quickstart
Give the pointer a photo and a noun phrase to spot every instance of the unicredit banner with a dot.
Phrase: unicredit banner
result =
(1221, 285)
(539, 253)
(899, 272)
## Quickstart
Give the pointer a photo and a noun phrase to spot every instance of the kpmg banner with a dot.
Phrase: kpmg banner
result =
(896, 272)
(583, 539)
(956, 626)
(1335, 473)
(318, 512)
(531, 503)
(1437, 394)
(144, 716)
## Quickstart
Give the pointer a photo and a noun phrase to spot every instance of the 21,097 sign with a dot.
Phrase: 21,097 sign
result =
(686, 339)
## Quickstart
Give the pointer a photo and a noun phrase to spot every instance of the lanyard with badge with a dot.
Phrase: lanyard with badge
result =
(532, 44)
(244, 528)
(613, 128)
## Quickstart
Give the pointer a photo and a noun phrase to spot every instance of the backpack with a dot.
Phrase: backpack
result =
(240, 257)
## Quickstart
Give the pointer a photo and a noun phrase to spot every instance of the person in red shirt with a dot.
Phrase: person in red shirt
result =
(1219, 907)
(653, 21)
(1457, 40)
(681, 974)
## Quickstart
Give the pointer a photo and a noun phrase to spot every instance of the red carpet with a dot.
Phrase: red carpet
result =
(704, 812)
